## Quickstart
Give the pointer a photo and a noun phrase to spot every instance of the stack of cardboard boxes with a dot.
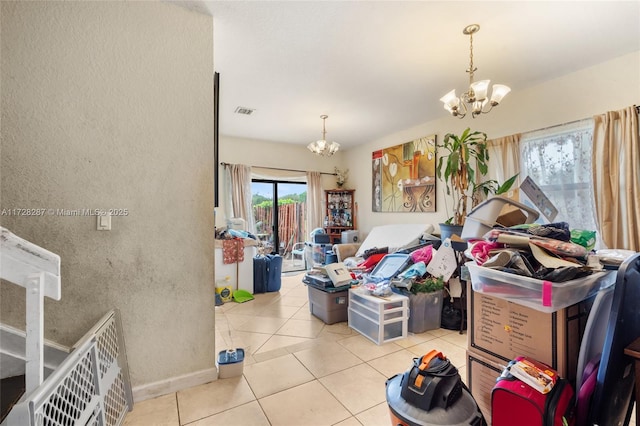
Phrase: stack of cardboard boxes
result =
(500, 330)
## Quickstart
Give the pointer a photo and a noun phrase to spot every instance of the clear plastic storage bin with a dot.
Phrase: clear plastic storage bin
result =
(426, 311)
(545, 296)
(381, 319)
(377, 304)
(378, 333)
(316, 254)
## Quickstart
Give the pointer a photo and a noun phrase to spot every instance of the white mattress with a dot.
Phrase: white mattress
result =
(396, 237)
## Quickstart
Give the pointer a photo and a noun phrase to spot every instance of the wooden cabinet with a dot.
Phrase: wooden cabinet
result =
(340, 215)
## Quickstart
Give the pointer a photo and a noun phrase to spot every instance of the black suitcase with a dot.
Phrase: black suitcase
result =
(267, 270)
(274, 272)
(260, 267)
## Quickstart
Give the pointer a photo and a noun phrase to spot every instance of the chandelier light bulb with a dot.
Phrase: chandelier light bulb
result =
(499, 92)
(480, 88)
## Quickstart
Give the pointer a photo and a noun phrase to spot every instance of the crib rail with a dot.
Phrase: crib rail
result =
(90, 387)
(38, 271)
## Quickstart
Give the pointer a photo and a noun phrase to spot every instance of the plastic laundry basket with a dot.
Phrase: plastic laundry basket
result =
(483, 217)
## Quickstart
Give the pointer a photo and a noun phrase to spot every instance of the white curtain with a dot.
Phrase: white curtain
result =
(238, 194)
(238, 183)
(314, 201)
(558, 159)
(616, 175)
(504, 159)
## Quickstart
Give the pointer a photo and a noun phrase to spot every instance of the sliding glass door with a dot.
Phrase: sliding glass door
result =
(279, 209)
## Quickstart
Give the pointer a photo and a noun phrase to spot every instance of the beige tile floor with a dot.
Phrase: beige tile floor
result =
(298, 371)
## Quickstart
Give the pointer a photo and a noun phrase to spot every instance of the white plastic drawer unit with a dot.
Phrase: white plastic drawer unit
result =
(380, 319)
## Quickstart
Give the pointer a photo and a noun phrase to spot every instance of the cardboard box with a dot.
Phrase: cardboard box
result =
(511, 216)
(504, 330)
(482, 372)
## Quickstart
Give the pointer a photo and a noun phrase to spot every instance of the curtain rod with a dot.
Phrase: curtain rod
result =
(637, 107)
(555, 125)
(284, 170)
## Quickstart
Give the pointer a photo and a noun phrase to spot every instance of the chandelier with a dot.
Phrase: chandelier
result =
(322, 147)
(476, 96)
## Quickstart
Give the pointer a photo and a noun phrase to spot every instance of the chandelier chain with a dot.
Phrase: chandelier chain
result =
(324, 129)
(471, 70)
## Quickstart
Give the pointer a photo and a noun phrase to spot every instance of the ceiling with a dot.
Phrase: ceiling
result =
(377, 67)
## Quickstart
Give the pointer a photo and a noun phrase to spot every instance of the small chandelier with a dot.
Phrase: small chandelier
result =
(322, 147)
(476, 96)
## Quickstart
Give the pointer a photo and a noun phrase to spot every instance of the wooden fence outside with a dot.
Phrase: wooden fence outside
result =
(291, 227)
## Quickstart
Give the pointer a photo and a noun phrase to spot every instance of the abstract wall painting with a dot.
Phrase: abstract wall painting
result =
(404, 177)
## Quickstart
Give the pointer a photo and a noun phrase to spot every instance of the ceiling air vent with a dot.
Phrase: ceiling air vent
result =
(243, 110)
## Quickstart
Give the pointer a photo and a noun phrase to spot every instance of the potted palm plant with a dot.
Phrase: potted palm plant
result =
(462, 167)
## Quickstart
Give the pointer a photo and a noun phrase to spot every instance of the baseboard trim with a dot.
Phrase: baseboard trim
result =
(173, 384)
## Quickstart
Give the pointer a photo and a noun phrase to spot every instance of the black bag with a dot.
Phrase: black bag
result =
(451, 316)
(431, 382)
(375, 250)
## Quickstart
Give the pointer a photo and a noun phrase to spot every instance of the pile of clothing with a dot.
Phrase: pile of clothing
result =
(551, 252)
(402, 269)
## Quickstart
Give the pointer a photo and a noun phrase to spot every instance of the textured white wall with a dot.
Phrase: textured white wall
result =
(608, 86)
(110, 105)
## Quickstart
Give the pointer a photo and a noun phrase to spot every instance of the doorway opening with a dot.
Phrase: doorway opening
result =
(280, 212)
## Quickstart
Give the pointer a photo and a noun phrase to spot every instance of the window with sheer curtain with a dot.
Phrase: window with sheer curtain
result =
(559, 162)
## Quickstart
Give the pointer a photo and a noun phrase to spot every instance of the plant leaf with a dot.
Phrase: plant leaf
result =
(471, 174)
(506, 186)
(482, 166)
(439, 167)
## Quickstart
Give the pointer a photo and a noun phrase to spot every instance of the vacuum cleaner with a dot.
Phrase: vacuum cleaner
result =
(429, 393)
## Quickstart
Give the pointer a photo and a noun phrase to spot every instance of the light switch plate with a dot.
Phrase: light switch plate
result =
(104, 222)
